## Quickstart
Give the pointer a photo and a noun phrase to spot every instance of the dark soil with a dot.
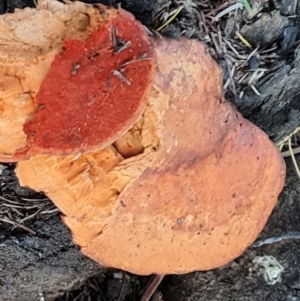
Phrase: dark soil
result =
(38, 260)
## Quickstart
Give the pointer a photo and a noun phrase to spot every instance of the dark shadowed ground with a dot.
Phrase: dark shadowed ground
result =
(38, 260)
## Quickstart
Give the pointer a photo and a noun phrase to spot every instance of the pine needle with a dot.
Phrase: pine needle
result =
(175, 14)
(243, 39)
(293, 157)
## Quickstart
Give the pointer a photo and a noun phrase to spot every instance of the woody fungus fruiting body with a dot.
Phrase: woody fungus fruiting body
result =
(131, 137)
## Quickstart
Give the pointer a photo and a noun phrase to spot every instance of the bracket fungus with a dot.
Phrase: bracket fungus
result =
(183, 183)
(75, 104)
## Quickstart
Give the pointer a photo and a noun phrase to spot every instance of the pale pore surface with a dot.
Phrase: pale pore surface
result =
(29, 40)
(195, 192)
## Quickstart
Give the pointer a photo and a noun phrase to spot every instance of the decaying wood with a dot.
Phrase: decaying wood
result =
(42, 266)
(277, 109)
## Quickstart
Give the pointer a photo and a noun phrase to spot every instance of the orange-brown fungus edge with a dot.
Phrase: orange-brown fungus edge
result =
(94, 91)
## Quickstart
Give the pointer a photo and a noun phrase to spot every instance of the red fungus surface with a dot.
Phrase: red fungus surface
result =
(94, 91)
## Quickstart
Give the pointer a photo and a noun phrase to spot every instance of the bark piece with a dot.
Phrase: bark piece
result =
(288, 7)
(267, 29)
(43, 266)
(277, 109)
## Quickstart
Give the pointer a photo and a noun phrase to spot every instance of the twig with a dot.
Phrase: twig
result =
(276, 239)
(239, 56)
(212, 12)
(257, 74)
(249, 57)
(215, 42)
(36, 200)
(135, 61)
(14, 223)
(50, 211)
(203, 22)
(287, 153)
(113, 38)
(99, 291)
(152, 286)
(120, 294)
(31, 216)
(79, 295)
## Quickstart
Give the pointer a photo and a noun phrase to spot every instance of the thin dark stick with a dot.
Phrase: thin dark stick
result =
(122, 287)
(276, 239)
(113, 37)
(9, 221)
(152, 286)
